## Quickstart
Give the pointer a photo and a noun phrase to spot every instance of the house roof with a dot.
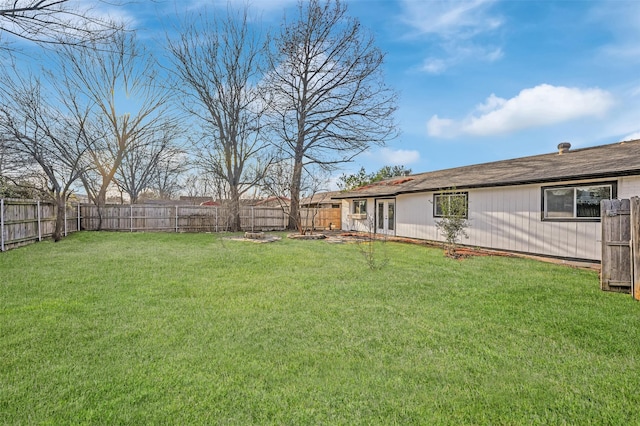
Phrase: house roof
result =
(604, 161)
(320, 198)
(194, 200)
(273, 200)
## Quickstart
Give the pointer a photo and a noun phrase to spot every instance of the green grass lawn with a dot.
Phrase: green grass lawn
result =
(122, 328)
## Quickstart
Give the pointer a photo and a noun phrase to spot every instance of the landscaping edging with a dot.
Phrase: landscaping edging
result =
(307, 236)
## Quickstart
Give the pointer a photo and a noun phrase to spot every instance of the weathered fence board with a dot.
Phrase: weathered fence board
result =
(199, 218)
(616, 248)
(635, 247)
(26, 221)
(321, 218)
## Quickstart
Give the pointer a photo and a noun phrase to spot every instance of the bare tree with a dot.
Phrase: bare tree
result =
(218, 60)
(327, 96)
(10, 164)
(55, 22)
(452, 207)
(16, 170)
(201, 184)
(127, 100)
(148, 157)
(277, 183)
(39, 132)
(166, 179)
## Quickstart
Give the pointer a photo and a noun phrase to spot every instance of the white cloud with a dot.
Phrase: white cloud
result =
(399, 157)
(631, 137)
(623, 25)
(491, 104)
(493, 55)
(458, 54)
(434, 65)
(453, 25)
(449, 18)
(103, 11)
(440, 127)
(539, 106)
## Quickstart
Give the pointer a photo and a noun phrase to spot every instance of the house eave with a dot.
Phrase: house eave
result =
(555, 179)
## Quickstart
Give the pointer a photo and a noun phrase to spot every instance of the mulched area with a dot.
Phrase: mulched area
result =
(266, 239)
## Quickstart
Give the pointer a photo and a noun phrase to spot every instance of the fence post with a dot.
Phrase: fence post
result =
(2, 224)
(130, 217)
(285, 218)
(39, 221)
(635, 247)
(65, 220)
(253, 217)
(78, 217)
(216, 219)
(176, 219)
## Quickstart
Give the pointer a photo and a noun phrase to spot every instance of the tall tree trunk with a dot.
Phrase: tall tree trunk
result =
(60, 209)
(101, 200)
(235, 209)
(296, 183)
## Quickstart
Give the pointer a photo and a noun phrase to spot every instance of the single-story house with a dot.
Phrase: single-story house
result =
(273, 202)
(195, 201)
(545, 204)
(322, 200)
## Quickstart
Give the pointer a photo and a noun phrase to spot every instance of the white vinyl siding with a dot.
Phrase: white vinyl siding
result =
(360, 222)
(508, 218)
(628, 187)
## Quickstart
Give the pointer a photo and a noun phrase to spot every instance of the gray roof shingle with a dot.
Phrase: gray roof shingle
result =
(604, 161)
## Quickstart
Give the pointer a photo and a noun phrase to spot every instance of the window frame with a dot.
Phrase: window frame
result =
(574, 186)
(362, 202)
(450, 194)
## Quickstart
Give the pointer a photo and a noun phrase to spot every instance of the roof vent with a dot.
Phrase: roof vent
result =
(563, 147)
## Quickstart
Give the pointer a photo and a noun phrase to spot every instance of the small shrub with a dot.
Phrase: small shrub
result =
(372, 248)
(454, 223)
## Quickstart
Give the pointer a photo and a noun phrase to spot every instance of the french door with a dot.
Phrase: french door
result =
(386, 217)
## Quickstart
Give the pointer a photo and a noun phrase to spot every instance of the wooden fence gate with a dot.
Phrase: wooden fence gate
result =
(621, 246)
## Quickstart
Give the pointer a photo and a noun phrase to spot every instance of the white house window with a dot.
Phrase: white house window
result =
(575, 202)
(448, 202)
(359, 207)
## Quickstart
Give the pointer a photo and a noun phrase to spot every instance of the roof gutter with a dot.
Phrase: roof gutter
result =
(634, 172)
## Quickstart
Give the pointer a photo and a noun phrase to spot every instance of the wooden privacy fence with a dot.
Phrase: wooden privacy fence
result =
(27, 221)
(621, 246)
(141, 217)
(321, 218)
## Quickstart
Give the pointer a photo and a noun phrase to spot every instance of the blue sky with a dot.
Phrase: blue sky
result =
(484, 80)
(489, 80)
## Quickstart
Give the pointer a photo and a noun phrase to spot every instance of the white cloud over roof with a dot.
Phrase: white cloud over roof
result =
(632, 136)
(398, 157)
(538, 106)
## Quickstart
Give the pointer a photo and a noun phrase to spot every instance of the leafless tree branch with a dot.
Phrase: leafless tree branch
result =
(325, 88)
(217, 59)
(55, 22)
